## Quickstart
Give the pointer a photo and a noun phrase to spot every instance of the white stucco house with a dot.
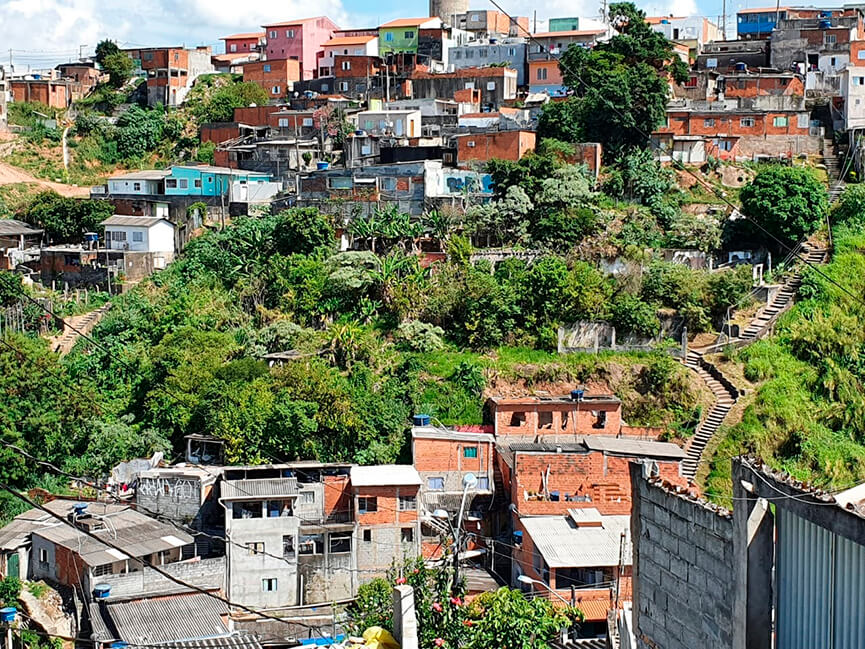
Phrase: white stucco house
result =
(139, 233)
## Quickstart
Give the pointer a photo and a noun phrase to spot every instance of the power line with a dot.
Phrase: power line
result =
(681, 165)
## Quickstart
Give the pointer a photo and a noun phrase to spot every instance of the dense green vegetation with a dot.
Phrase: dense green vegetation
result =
(808, 414)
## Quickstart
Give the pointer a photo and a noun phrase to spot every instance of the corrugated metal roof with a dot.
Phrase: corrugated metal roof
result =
(261, 488)
(629, 446)
(235, 641)
(157, 620)
(384, 475)
(564, 545)
(436, 432)
(13, 228)
(146, 174)
(133, 221)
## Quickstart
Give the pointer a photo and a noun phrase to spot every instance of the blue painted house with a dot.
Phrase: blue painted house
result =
(206, 180)
(758, 23)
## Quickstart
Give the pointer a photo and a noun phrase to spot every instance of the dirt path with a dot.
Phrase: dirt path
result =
(10, 175)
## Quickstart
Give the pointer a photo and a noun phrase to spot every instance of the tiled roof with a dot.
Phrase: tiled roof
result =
(246, 35)
(349, 40)
(299, 21)
(157, 620)
(595, 610)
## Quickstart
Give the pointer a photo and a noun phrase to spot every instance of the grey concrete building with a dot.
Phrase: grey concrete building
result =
(490, 52)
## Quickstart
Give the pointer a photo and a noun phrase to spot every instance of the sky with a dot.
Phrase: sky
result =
(41, 33)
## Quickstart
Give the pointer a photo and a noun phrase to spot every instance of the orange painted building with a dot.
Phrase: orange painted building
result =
(54, 94)
(545, 73)
(277, 77)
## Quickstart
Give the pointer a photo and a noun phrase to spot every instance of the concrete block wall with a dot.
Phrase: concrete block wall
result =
(684, 577)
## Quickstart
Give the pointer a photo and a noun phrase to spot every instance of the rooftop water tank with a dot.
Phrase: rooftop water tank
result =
(825, 24)
(741, 67)
(420, 420)
(8, 613)
(101, 591)
(577, 395)
(91, 237)
(79, 509)
(321, 166)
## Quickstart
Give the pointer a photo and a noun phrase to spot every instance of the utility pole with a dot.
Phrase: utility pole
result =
(724, 20)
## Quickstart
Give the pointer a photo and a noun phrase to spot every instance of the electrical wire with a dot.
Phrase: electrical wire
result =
(682, 167)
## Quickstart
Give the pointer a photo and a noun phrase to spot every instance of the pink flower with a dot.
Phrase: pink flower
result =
(437, 607)
(456, 601)
(439, 642)
(400, 581)
(416, 571)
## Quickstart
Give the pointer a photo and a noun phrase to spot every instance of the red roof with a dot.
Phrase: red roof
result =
(474, 428)
(239, 36)
(409, 22)
(349, 40)
(480, 115)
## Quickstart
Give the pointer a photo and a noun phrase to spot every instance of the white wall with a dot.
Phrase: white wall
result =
(854, 97)
(157, 238)
(145, 187)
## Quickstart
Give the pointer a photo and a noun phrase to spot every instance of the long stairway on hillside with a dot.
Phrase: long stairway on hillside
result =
(77, 326)
(723, 389)
(833, 170)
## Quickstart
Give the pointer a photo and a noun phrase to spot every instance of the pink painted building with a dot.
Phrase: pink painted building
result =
(301, 40)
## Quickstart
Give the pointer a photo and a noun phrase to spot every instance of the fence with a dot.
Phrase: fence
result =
(593, 337)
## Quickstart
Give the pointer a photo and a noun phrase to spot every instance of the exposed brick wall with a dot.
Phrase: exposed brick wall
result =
(448, 455)
(683, 569)
(568, 418)
(337, 497)
(388, 504)
(219, 132)
(504, 145)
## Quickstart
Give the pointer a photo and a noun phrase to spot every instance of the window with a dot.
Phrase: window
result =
(267, 67)
(278, 508)
(860, 55)
(545, 419)
(388, 36)
(118, 236)
(387, 184)
(564, 420)
(567, 577)
(307, 121)
(307, 497)
(518, 419)
(246, 510)
(183, 183)
(600, 419)
(340, 542)
(457, 55)
(542, 74)
(470, 54)
(275, 90)
(311, 544)
(470, 144)
(289, 33)
(829, 39)
(482, 53)
(288, 546)
(101, 571)
(346, 65)
(435, 484)
(171, 183)
(408, 35)
(779, 121)
(475, 18)
(407, 503)
(325, 87)
(43, 557)
(512, 51)
(470, 451)
(483, 483)
(283, 122)
(709, 122)
(234, 47)
(724, 145)
(268, 585)
(367, 536)
(832, 61)
(197, 183)
(136, 187)
(255, 547)
(343, 86)
(746, 122)
(407, 535)
(367, 504)
(491, 85)
(339, 182)
(138, 237)
(273, 34)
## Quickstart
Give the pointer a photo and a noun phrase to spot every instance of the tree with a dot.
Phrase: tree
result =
(119, 68)
(10, 589)
(620, 86)
(506, 618)
(219, 107)
(104, 49)
(303, 229)
(561, 120)
(139, 131)
(786, 203)
(65, 219)
(850, 208)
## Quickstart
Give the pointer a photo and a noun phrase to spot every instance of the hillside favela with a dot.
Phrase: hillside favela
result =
(475, 325)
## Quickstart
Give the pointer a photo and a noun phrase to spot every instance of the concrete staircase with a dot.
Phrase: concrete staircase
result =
(725, 392)
(833, 170)
(725, 397)
(75, 327)
(769, 314)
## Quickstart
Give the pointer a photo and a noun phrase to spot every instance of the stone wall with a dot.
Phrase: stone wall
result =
(683, 568)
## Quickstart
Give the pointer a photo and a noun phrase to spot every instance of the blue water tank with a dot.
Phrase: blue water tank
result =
(91, 237)
(8, 613)
(79, 508)
(420, 420)
(101, 591)
(577, 395)
(118, 644)
(321, 166)
(825, 24)
(741, 67)
(665, 22)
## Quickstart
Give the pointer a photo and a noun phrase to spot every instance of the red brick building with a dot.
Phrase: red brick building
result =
(505, 145)
(277, 77)
(54, 94)
(553, 417)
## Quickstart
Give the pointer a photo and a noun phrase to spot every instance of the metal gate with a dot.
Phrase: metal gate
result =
(820, 586)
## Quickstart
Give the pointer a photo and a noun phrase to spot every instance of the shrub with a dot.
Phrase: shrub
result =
(417, 336)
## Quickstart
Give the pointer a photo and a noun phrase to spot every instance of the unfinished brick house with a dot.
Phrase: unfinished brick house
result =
(555, 417)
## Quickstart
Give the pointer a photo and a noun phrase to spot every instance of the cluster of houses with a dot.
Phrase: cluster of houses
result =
(546, 498)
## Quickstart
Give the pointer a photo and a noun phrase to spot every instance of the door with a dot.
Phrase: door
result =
(13, 565)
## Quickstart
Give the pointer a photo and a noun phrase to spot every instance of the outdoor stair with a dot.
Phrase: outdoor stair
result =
(76, 326)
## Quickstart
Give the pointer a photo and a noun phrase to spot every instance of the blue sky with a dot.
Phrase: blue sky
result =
(45, 32)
